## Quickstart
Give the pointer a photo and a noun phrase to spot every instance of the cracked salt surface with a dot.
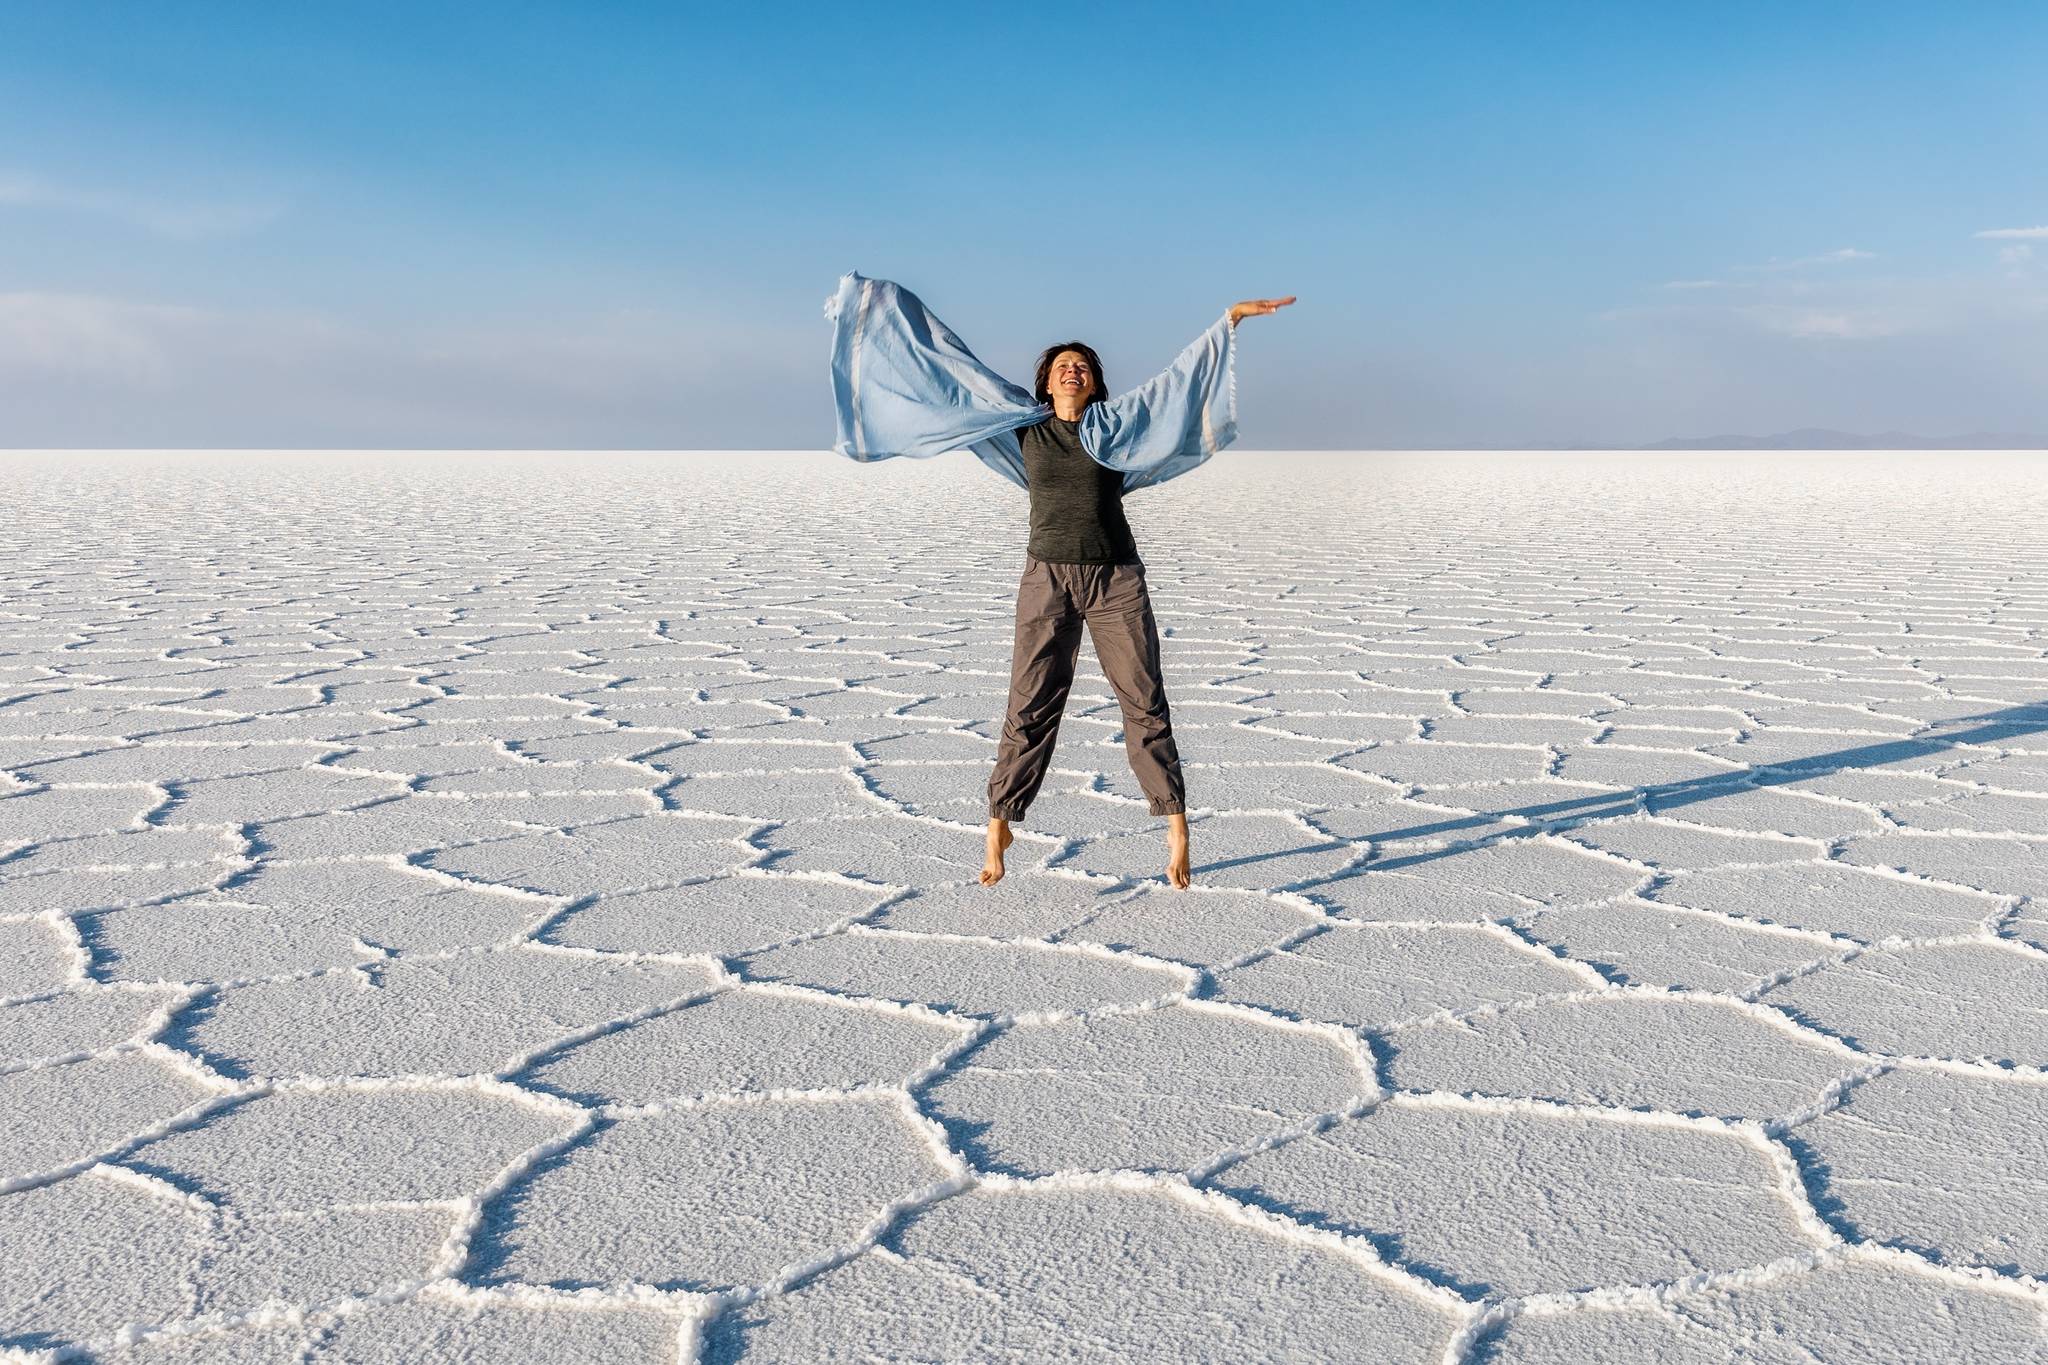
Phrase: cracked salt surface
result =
(1619, 939)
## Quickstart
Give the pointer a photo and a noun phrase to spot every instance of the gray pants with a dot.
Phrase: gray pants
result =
(1053, 600)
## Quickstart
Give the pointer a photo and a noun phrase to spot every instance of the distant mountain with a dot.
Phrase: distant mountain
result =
(1806, 438)
(1821, 438)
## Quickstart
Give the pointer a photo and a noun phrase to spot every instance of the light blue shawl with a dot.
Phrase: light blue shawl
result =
(904, 384)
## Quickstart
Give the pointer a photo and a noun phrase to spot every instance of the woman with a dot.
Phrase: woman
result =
(904, 384)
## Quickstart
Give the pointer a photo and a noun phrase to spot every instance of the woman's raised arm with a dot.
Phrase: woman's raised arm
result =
(1180, 417)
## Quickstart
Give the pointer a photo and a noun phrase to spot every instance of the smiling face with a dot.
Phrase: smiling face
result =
(1071, 377)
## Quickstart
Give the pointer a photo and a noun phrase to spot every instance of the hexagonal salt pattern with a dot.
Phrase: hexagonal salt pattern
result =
(1848, 1310)
(1154, 1089)
(1539, 1201)
(474, 1014)
(1637, 1051)
(1046, 1272)
(715, 1195)
(1937, 1162)
(1618, 929)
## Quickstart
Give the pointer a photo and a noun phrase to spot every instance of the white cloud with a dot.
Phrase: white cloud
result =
(1839, 324)
(1776, 266)
(1828, 310)
(80, 335)
(2009, 234)
(1839, 256)
(183, 219)
(1859, 350)
(90, 370)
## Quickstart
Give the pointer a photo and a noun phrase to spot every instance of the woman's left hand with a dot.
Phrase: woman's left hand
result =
(1252, 308)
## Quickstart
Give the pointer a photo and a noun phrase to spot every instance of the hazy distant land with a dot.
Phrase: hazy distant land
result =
(1825, 438)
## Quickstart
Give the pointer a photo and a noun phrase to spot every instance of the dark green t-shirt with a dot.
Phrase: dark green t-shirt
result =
(1077, 505)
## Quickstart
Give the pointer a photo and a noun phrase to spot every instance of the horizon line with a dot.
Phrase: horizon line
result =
(1542, 449)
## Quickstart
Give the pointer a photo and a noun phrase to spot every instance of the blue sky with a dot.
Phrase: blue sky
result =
(614, 225)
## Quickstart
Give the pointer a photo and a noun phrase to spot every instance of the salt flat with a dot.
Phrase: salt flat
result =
(517, 907)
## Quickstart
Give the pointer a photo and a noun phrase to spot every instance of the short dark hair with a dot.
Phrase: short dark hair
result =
(1044, 394)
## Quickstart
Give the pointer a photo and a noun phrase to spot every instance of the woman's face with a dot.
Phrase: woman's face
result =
(1071, 376)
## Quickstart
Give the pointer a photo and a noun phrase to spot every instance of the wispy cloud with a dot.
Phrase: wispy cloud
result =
(1842, 324)
(78, 369)
(1826, 309)
(2037, 234)
(1960, 349)
(1777, 265)
(1839, 256)
(83, 336)
(183, 219)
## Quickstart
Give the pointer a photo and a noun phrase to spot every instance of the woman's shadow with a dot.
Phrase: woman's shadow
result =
(1554, 817)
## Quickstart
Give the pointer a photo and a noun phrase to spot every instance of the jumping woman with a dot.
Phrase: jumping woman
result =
(904, 384)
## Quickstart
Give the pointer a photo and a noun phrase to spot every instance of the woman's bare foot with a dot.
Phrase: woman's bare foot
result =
(1177, 850)
(999, 838)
